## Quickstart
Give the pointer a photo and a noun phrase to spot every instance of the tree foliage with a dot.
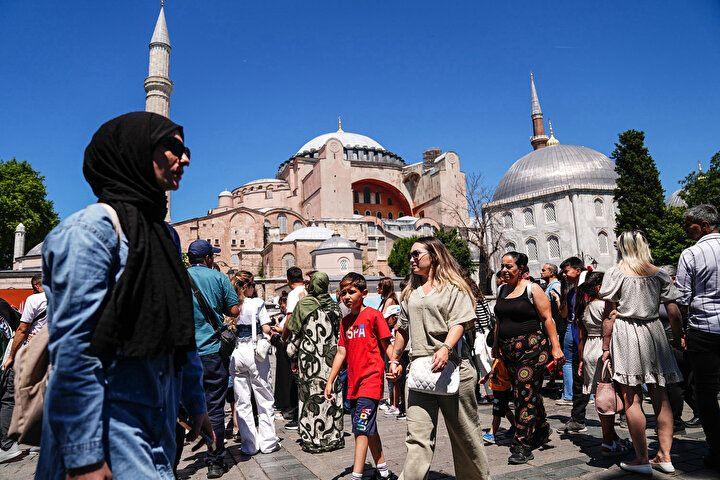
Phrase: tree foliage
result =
(23, 199)
(668, 238)
(398, 260)
(703, 187)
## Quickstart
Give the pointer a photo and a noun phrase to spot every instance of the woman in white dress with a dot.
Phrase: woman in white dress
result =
(640, 350)
(250, 373)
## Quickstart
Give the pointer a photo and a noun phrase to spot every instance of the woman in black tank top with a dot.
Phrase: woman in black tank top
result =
(522, 310)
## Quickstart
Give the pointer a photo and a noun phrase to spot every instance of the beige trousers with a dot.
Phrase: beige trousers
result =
(463, 424)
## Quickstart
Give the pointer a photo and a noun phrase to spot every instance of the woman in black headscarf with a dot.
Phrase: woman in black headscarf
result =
(120, 313)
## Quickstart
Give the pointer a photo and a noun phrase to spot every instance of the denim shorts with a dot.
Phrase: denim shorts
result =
(364, 416)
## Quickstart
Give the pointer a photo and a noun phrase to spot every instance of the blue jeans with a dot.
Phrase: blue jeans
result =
(570, 351)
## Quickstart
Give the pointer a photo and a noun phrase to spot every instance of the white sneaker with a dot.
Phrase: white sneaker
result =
(383, 406)
(392, 411)
(12, 452)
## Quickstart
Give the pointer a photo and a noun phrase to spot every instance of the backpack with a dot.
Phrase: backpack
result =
(32, 369)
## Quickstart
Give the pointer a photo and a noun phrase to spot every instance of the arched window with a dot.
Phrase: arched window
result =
(356, 197)
(344, 264)
(599, 208)
(366, 195)
(368, 213)
(510, 247)
(235, 259)
(390, 216)
(268, 194)
(378, 214)
(297, 224)
(554, 247)
(282, 223)
(356, 212)
(603, 243)
(377, 198)
(288, 260)
(507, 220)
(550, 216)
(529, 217)
(401, 214)
(532, 251)
(389, 202)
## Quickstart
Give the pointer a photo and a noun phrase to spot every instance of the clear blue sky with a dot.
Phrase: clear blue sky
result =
(256, 80)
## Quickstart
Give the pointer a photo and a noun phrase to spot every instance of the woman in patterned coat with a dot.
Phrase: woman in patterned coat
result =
(313, 343)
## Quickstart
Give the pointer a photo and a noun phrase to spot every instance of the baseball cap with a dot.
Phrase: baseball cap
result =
(392, 310)
(201, 248)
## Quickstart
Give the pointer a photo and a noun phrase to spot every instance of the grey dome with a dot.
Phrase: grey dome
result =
(675, 200)
(556, 168)
(36, 250)
(336, 242)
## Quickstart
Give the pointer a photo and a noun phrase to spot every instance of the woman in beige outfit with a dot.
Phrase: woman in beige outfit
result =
(437, 307)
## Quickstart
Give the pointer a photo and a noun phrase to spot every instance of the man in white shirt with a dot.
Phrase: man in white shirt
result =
(297, 292)
(34, 317)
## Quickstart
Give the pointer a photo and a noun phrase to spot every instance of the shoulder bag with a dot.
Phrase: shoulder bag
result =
(228, 339)
(262, 344)
(607, 401)
(421, 377)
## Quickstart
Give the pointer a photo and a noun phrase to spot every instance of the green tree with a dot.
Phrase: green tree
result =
(458, 247)
(399, 255)
(639, 195)
(668, 239)
(703, 187)
(23, 199)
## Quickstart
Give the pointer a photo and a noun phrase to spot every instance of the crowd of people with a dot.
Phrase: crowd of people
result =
(145, 353)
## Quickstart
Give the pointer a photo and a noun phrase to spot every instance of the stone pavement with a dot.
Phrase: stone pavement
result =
(575, 456)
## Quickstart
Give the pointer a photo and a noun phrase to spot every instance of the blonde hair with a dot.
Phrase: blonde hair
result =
(242, 278)
(444, 268)
(634, 252)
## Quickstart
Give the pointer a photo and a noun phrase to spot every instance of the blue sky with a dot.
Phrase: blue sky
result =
(256, 80)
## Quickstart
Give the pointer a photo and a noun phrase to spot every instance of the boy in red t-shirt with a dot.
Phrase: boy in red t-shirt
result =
(364, 338)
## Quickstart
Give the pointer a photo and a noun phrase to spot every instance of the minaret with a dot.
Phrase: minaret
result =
(158, 85)
(539, 139)
(19, 246)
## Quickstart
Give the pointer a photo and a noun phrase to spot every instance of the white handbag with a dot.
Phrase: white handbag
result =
(262, 344)
(421, 377)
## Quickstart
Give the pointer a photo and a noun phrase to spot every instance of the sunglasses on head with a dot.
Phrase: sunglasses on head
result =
(177, 147)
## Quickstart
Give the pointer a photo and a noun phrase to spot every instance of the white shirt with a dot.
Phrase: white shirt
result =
(34, 305)
(295, 295)
(253, 310)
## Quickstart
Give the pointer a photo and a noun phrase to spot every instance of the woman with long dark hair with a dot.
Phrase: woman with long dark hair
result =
(437, 307)
(250, 372)
(640, 350)
(526, 339)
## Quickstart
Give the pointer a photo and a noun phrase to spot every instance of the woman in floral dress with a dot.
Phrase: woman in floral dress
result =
(314, 335)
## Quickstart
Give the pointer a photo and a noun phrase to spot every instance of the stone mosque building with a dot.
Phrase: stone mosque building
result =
(555, 202)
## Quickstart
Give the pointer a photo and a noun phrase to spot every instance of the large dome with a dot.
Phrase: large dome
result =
(346, 138)
(556, 168)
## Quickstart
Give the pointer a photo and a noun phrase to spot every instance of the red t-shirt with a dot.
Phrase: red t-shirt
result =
(361, 338)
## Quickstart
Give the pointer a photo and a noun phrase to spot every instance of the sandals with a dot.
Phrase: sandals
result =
(620, 446)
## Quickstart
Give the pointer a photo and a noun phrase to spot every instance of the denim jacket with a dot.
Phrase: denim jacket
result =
(93, 408)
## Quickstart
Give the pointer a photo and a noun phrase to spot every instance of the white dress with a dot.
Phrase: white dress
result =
(251, 376)
(640, 349)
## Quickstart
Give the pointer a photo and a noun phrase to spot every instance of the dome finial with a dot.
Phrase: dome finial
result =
(552, 141)
(339, 124)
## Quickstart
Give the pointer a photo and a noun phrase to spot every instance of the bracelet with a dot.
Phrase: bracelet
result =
(449, 348)
(394, 362)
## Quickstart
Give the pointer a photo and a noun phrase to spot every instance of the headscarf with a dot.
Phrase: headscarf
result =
(150, 310)
(317, 298)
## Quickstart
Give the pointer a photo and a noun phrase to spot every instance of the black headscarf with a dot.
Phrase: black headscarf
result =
(150, 310)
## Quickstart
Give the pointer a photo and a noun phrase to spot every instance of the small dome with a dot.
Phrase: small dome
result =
(346, 138)
(309, 233)
(559, 167)
(36, 250)
(336, 242)
(675, 200)
(262, 180)
(225, 193)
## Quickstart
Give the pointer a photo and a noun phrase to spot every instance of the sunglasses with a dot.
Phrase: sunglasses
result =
(177, 147)
(416, 255)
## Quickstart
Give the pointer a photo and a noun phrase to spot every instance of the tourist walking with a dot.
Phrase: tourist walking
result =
(213, 297)
(437, 307)
(573, 271)
(698, 280)
(314, 327)
(389, 307)
(121, 334)
(484, 324)
(639, 350)
(591, 312)
(250, 370)
(526, 341)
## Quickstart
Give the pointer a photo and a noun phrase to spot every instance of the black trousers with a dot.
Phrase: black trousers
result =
(7, 404)
(579, 399)
(703, 352)
(215, 383)
(682, 392)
